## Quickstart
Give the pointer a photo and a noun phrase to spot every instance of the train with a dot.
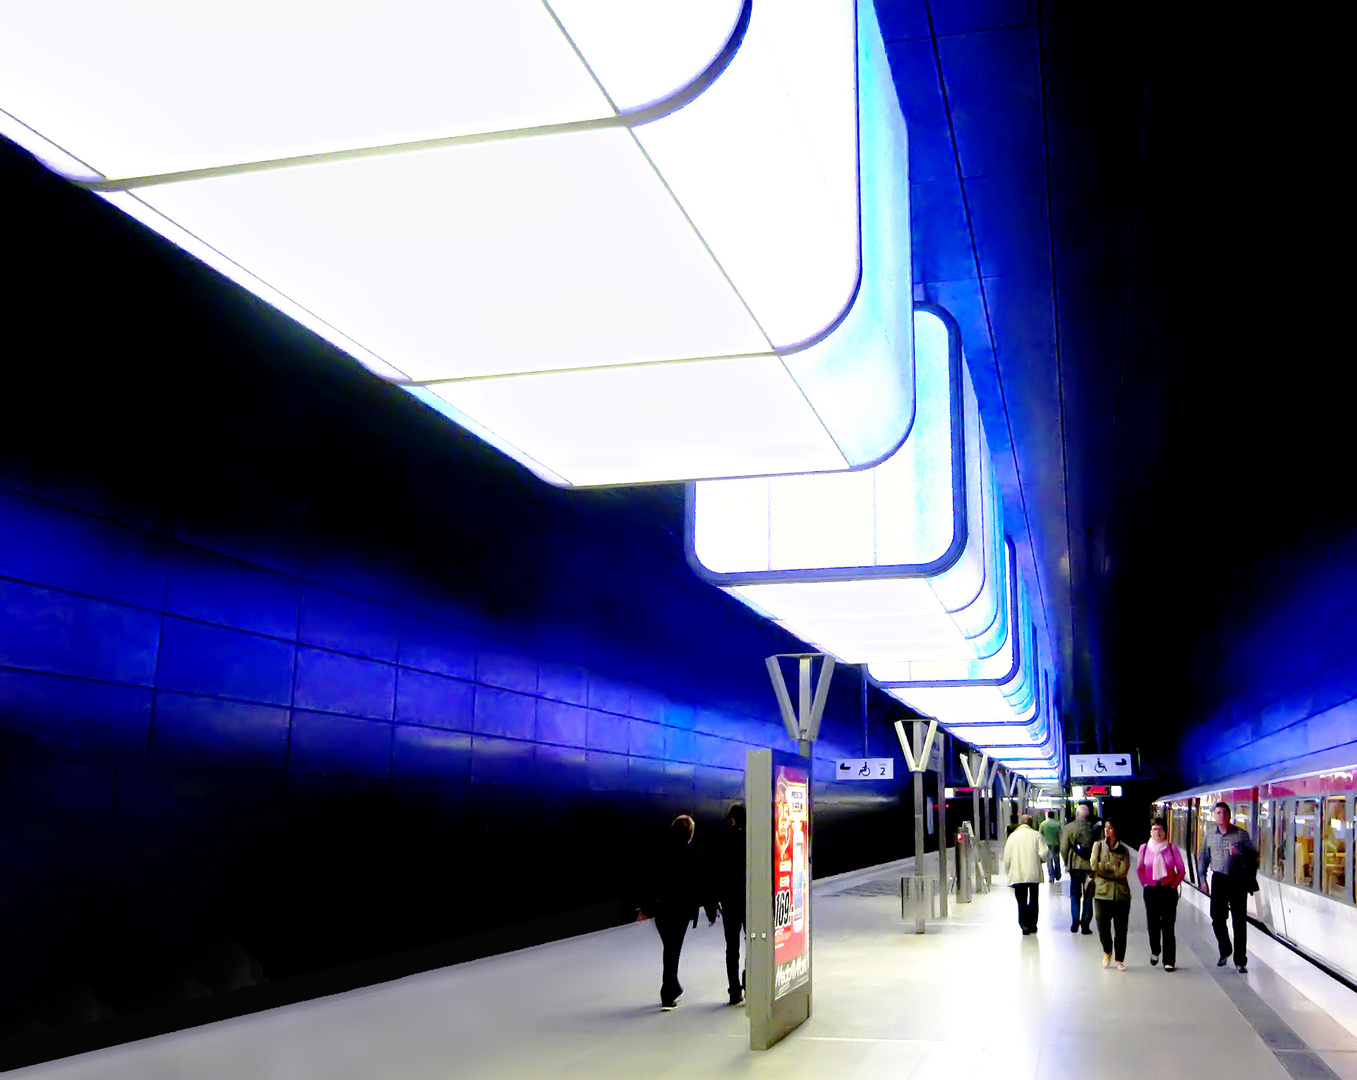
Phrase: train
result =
(1301, 816)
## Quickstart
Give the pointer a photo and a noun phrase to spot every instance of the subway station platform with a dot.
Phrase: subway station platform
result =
(970, 998)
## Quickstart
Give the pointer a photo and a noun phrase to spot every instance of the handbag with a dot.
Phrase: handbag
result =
(1091, 882)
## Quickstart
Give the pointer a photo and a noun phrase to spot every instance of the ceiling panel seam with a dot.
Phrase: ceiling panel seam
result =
(1073, 673)
(984, 300)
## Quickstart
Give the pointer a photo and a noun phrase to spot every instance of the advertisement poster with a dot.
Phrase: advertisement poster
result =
(791, 878)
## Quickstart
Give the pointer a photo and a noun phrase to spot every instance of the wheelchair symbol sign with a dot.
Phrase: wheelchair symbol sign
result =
(864, 769)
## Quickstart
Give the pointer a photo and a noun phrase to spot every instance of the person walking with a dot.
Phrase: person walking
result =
(1050, 832)
(1161, 870)
(674, 896)
(1230, 856)
(1111, 863)
(728, 869)
(1024, 852)
(1076, 847)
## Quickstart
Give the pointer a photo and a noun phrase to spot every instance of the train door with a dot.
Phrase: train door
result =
(1334, 824)
(1266, 841)
(1281, 840)
(1305, 822)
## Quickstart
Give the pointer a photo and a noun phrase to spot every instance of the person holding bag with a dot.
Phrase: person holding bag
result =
(1076, 845)
(1161, 870)
(1111, 863)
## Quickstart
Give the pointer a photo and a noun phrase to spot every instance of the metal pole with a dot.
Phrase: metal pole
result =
(941, 806)
(987, 862)
(917, 750)
(804, 744)
(976, 796)
(917, 779)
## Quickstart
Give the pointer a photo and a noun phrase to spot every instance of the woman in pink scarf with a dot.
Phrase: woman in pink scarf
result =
(1161, 869)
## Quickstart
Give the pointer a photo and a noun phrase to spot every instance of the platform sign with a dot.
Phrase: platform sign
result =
(872, 768)
(1100, 765)
(777, 884)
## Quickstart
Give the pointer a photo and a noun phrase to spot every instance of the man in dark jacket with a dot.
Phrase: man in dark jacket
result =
(1228, 853)
(1076, 845)
(728, 870)
(677, 891)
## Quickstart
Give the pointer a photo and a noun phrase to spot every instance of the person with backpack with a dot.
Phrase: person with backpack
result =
(1076, 848)
(1161, 870)
(1230, 856)
(1050, 832)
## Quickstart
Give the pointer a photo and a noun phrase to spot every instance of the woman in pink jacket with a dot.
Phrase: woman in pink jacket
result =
(1160, 868)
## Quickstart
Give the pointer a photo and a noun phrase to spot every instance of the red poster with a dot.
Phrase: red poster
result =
(791, 878)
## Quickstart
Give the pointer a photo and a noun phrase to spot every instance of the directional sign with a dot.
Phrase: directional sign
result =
(871, 768)
(1100, 765)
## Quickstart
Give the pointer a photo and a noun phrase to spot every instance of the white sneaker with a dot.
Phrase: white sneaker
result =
(1107, 959)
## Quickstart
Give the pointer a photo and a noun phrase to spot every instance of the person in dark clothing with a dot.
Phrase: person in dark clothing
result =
(1231, 858)
(676, 892)
(728, 869)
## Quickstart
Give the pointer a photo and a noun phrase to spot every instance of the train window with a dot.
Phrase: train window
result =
(1280, 822)
(1334, 844)
(1265, 836)
(1307, 810)
(1243, 816)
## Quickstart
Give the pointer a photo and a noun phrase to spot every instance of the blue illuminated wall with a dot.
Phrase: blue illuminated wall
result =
(206, 755)
(294, 675)
(1278, 678)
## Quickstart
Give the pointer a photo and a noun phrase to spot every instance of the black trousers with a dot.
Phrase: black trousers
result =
(1228, 901)
(732, 922)
(1112, 916)
(1161, 912)
(672, 930)
(1026, 893)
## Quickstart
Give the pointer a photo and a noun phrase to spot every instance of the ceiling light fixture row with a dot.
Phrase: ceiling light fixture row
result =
(623, 241)
(903, 567)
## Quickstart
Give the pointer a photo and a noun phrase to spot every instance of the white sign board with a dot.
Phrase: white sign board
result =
(1100, 765)
(871, 768)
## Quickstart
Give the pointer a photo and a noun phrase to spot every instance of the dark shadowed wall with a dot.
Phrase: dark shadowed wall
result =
(295, 675)
(1277, 679)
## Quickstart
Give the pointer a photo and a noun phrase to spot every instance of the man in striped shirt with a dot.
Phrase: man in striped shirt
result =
(1229, 856)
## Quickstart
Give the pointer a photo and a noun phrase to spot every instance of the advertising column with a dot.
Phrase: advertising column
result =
(791, 886)
(778, 855)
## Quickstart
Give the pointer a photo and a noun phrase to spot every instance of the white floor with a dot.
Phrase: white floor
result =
(970, 998)
(1321, 1010)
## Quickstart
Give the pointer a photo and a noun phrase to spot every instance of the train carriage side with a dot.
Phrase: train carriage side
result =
(1302, 821)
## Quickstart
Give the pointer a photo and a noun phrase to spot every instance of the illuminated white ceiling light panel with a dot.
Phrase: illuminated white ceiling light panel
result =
(980, 713)
(903, 560)
(623, 240)
(1013, 726)
(1023, 743)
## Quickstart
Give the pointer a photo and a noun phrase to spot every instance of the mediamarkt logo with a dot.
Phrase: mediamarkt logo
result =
(792, 971)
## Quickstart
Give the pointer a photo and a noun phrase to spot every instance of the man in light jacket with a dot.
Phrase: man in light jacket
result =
(1024, 854)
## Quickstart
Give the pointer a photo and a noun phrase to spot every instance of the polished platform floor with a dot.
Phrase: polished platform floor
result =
(970, 998)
